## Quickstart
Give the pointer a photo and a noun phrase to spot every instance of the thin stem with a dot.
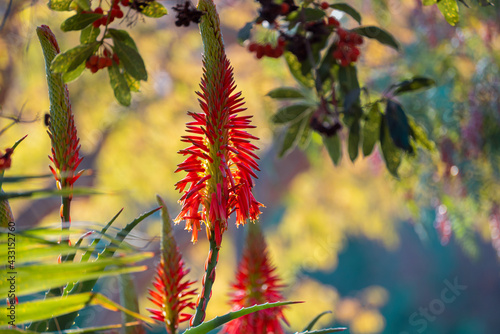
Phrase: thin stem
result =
(208, 282)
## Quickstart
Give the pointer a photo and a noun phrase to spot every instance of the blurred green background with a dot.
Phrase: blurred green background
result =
(350, 239)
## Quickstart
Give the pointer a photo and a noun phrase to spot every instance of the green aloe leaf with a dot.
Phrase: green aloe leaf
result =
(219, 321)
(324, 331)
(315, 320)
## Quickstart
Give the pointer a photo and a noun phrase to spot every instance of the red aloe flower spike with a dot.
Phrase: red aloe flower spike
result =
(62, 131)
(256, 283)
(172, 293)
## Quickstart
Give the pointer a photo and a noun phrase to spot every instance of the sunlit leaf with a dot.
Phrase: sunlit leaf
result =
(79, 21)
(75, 74)
(59, 5)
(83, 4)
(71, 59)
(89, 34)
(348, 10)
(420, 135)
(413, 84)
(119, 85)
(449, 9)
(371, 129)
(134, 85)
(154, 9)
(379, 34)
(296, 70)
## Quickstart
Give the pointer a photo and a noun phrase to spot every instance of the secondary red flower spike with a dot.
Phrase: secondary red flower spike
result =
(172, 293)
(256, 283)
(220, 162)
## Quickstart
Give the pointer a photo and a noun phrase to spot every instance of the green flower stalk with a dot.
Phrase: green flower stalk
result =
(62, 131)
(220, 162)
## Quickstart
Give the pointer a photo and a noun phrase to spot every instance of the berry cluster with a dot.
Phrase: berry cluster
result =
(114, 12)
(346, 50)
(270, 10)
(95, 62)
(187, 13)
(268, 50)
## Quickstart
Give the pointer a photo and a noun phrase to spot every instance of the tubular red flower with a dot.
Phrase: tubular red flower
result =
(220, 162)
(256, 283)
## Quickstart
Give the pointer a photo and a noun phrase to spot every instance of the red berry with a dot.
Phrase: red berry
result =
(109, 62)
(342, 33)
(356, 52)
(325, 5)
(260, 51)
(278, 52)
(281, 41)
(119, 14)
(96, 23)
(344, 62)
(333, 22)
(106, 53)
(268, 50)
(252, 47)
(111, 19)
(93, 60)
(101, 63)
(94, 69)
(87, 64)
(285, 8)
(337, 54)
(98, 10)
(116, 59)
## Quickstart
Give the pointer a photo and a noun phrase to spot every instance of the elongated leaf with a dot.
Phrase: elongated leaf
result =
(59, 5)
(134, 85)
(75, 74)
(379, 34)
(283, 93)
(89, 34)
(449, 9)
(296, 70)
(413, 84)
(131, 60)
(79, 21)
(83, 4)
(244, 33)
(311, 14)
(119, 85)
(420, 135)
(219, 321)
(392, 155)
(49, 193)
(314, 321)
(348, 10)
(290, 113)
(15, 179)
(42, 277)
(371, 129)
(334, 148)
(398, 125)
(325, 331)
(154, 9)
(428, 2)
(293, 133)
(353, 141)
(122, 36)
(71, 59)
(128, 298)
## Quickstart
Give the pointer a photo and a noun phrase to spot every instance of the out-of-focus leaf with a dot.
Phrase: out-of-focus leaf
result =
(293, 133)
(296, 70)
(207, 326)
(311, 14)
(154, 9)
(49, 193)
(418, 133)
(351, 98)
(71, 59)
(244, 33)
(75, 74)
(79, 21)
(290, 113)
(353, 141)
(392, 155)
(334, 148)
(83, 4)
(89, 34)
(313, 322)
(306, 134)
(59, 5)
(134, 85)
(413, 84)
(324, 331)
(449, 9)
(128, 298)
(398, 125)
(379, 34)
(282, 93)
(371, 129)
(343, 7)
(131, 60)
(122, 36)
(14, 179)
(428, 2)
(119, 85)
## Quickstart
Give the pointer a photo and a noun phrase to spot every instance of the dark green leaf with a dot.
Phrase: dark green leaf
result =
(334, 148)
(131, 60)
(79, 21)
(371, 129)
(306, 134)
(398, 125)
(349, 84)
(73, 75)
(59, 5)
(413, 84)
(123, 37)
(313, 322)
(285, 93)
(353, 141)
(379, 34)
(296, 70)
(311, 14)
(348, 10)
(119, 85)
(83, 4)
(71, 59)
(244, 33)
(290, 113)
(392, 155)
(293, 133)
(154, 9)
(207, 326)
(449, 9)
(89, 34)
(351, 99)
